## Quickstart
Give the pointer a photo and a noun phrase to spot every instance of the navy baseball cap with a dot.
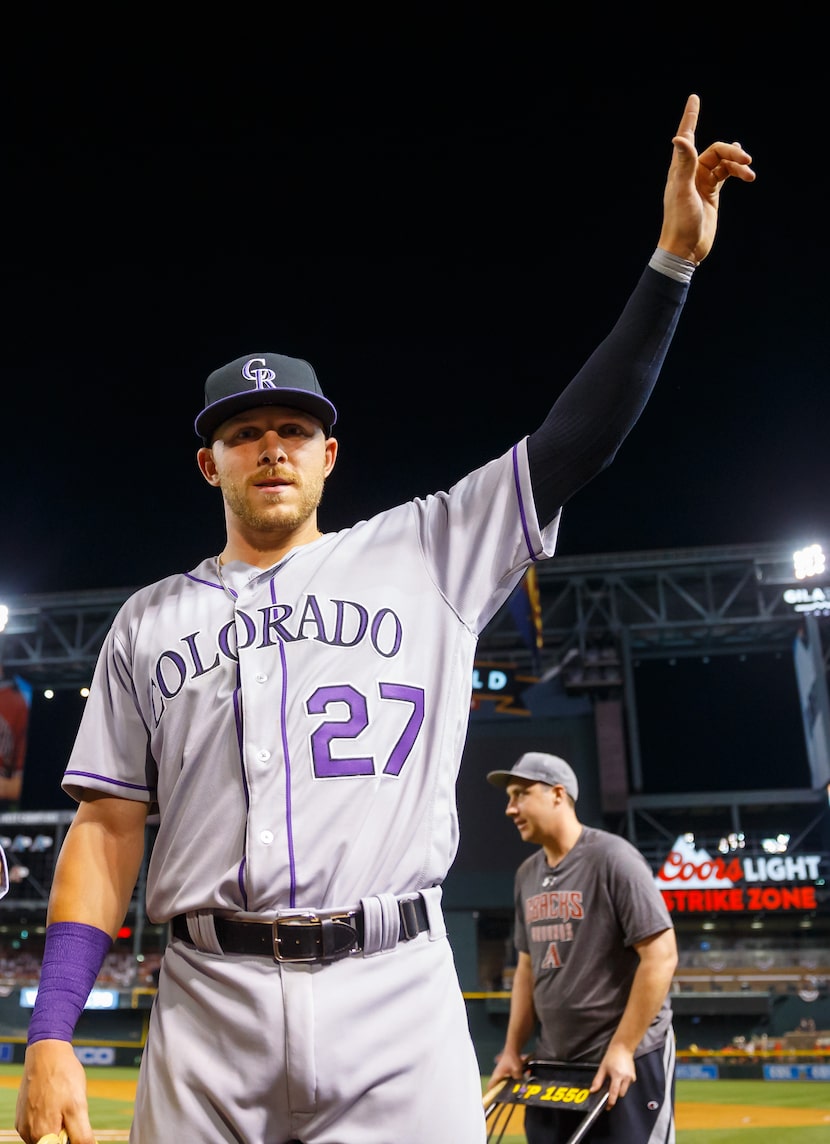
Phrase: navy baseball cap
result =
(539, 768)
(262, 379)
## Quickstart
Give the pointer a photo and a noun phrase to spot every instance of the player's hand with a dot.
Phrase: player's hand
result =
(52, 1095)
(691, 197)
(616, 1069)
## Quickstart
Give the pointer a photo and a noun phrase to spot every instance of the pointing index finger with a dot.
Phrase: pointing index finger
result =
(688, 121)
(688, 124)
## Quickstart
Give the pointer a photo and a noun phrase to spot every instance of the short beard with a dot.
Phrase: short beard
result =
(276, 518)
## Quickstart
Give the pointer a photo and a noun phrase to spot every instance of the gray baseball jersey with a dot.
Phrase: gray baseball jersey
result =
(579, 921)
(300, 729)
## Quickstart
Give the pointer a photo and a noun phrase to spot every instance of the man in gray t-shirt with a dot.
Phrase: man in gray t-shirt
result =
(596, 956)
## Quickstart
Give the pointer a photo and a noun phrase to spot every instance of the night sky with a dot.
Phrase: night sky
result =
(444, 227)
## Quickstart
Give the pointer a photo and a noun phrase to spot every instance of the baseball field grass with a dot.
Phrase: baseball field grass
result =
(735, 1112)
(708, 1112)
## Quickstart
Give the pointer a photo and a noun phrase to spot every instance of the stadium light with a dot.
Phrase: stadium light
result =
(806, 563)
(809, 561)
(14, 621)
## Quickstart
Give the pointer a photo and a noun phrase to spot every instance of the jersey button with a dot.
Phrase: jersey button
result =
(263, 755)
(266, 837)
(261, 677)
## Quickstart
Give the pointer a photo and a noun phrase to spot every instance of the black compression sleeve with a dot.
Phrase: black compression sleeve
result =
(596, 411)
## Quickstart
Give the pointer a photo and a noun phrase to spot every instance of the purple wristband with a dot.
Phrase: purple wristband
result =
(72, 958)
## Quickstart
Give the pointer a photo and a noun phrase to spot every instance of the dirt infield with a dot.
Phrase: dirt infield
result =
(701, 1116)
(107, 1089)
(112, 1089)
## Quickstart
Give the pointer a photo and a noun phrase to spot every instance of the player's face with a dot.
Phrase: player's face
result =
(271, 464)
(530, 805)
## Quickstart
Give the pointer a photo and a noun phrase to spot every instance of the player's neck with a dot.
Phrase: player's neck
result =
(556, 848)
(265, 551)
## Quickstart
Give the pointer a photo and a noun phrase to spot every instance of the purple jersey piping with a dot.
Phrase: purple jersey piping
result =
(286, 755)
(208, 583)
(239, 719)
(112, 782)
(522, 514)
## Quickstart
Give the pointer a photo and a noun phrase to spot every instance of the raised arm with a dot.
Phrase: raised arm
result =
(598, 409)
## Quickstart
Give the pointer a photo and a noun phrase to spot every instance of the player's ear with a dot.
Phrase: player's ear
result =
(331, 453)
(207, 465)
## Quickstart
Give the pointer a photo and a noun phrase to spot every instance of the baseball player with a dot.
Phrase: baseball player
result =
(294, 711)
(596, 956)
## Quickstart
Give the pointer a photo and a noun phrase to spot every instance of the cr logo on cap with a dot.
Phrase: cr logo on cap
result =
(262, 378)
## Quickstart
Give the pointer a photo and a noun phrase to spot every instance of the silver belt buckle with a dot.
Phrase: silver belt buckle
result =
(308, 919)
(293, 920)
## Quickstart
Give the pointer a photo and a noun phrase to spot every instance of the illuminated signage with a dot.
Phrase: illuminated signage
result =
(98, 998)
(493, 680)
(808, 600)
(691, 881)
(501, 685)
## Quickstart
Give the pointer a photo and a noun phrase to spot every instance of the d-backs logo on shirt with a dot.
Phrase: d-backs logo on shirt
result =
(549, 918)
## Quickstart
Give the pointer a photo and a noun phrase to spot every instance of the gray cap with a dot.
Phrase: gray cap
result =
(539, 768)
(262, 379)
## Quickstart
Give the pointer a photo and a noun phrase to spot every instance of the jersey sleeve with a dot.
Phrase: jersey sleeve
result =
(480, 537)
(111, 750)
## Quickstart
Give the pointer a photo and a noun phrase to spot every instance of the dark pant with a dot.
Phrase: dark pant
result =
(641, 1117)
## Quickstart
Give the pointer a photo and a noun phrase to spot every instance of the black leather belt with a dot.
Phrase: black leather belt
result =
(305, 937)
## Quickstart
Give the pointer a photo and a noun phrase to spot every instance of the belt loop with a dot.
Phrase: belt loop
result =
(200, 926)
(409, 918)
(432, 896)
(381, 923)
